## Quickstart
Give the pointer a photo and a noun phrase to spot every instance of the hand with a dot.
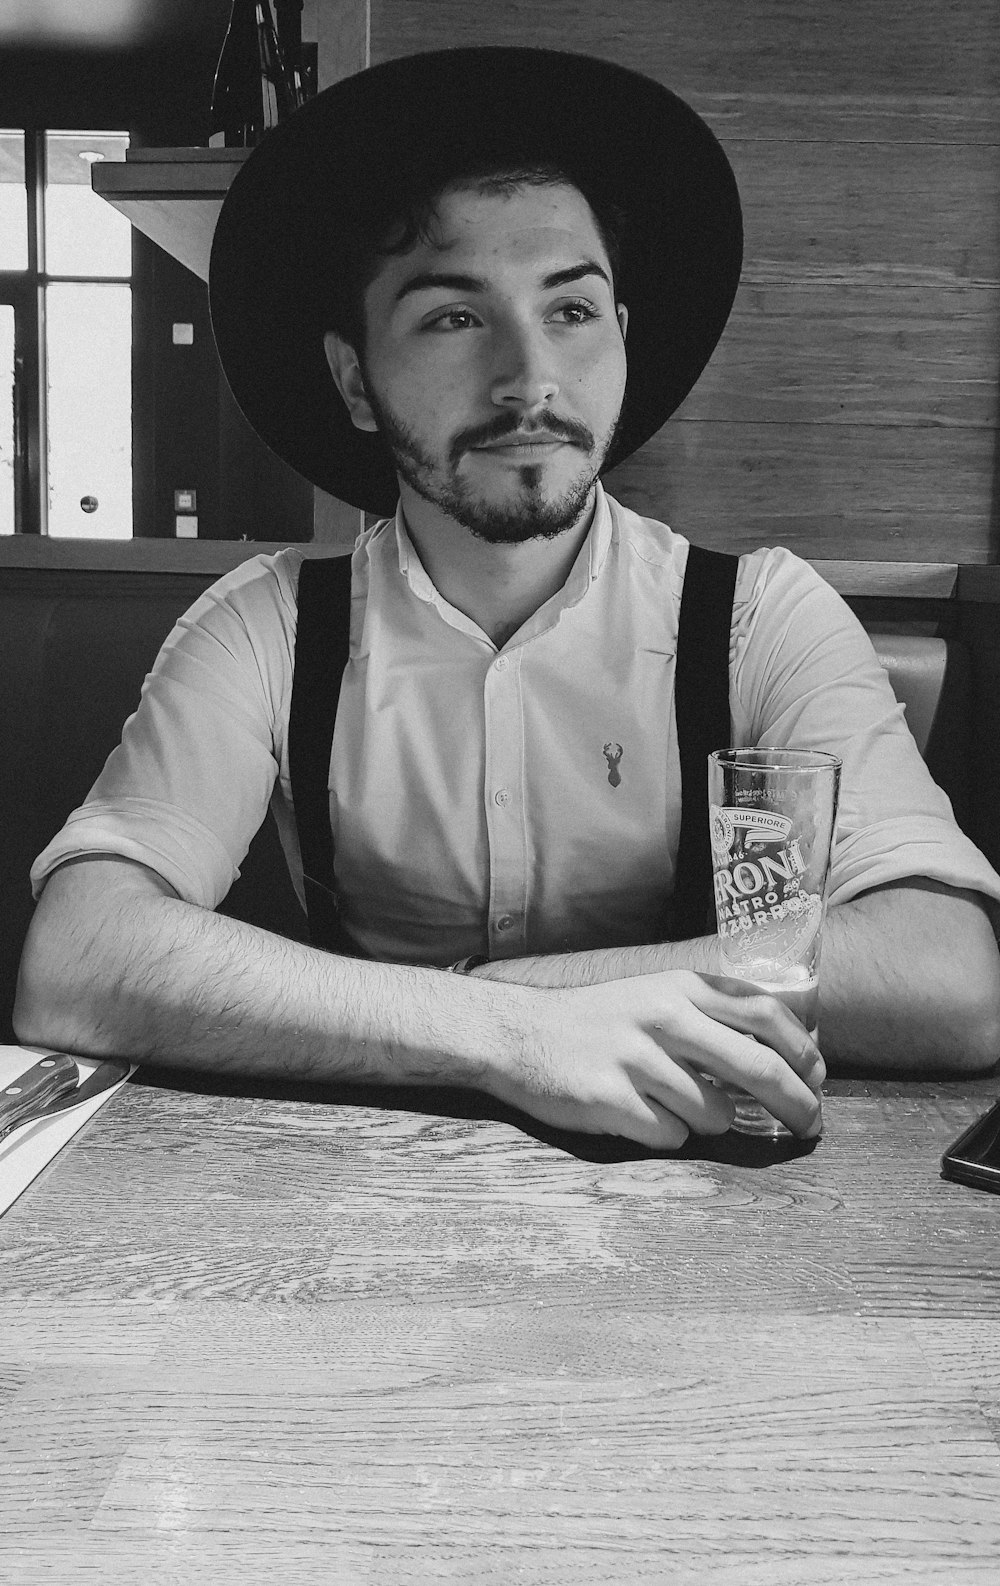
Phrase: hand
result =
(637, 1058)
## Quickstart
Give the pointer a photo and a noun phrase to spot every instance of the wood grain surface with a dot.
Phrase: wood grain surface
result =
(836, 490)
(295, 1336)
(779, 49)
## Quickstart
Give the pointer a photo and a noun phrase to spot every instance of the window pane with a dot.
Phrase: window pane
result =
(6, 419)
(89, 350)
(13, 203)
(83, 234)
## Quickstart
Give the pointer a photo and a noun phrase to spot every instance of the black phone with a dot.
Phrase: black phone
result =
(974, 1158)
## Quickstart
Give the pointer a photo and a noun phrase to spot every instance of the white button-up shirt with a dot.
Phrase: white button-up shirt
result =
(516, 801)
(475, 795)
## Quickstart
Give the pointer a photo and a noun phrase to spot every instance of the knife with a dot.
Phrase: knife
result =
(52, 1086)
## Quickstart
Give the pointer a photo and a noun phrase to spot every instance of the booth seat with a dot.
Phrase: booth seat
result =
(76, 646)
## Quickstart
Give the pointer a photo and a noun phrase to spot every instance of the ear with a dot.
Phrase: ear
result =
(348, 379)
(622, 312)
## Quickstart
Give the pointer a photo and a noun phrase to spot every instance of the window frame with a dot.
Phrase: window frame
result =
(25, 290)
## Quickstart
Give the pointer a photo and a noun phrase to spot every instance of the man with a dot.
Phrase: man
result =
(427, 282)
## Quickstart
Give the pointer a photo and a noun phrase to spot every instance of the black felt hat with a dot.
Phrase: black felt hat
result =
(412, 125)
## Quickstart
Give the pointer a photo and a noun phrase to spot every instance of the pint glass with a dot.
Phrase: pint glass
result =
(772, 814)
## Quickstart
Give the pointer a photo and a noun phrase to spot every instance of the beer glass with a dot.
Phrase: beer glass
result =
(772, 814)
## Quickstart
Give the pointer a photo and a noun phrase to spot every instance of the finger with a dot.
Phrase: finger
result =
(738, 1059)
(665, 1131)
(703, 1106)
(741, 1007)
(638, 1116)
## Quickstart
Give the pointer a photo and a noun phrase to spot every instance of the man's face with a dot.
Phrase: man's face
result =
(495, 361)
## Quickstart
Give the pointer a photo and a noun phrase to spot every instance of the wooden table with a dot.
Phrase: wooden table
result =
(280, 1339)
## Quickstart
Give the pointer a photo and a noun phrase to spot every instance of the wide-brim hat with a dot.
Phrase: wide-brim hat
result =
(627, 139)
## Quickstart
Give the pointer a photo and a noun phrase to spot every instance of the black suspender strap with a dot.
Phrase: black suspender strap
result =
(322, 644)
(701, 707)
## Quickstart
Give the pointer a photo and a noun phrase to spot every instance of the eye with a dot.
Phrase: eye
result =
(578, 312)
(452, 319)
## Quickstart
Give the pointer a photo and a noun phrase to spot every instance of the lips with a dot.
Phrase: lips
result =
(518, 445)
(523, 443)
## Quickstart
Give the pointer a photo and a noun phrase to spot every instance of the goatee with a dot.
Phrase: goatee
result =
(530, 515)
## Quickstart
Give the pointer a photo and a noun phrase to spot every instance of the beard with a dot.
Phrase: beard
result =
(529, 514)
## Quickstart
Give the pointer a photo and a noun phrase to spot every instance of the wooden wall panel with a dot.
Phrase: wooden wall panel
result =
(839, 491)
(341, 31)
(890, 116)
(818, 49)
(851, 410)
(850, 354)
(872, 212)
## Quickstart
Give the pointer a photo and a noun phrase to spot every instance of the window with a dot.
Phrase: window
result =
(65, 340)
(7, 432)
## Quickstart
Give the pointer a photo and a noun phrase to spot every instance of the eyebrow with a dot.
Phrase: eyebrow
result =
(428, 279)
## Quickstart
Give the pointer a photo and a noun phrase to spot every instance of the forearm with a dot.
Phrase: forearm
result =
(147, 976)
(910, 980)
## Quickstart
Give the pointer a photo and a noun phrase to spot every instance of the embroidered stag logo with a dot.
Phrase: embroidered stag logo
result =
(612, 754)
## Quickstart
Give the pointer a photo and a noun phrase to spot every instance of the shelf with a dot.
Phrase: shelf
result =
(173, 196)
(211, 557)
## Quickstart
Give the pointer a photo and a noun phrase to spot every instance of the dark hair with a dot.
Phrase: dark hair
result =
(391, 228)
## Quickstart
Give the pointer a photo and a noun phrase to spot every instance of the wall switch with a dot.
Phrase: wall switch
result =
(186, 527)
(183, 335)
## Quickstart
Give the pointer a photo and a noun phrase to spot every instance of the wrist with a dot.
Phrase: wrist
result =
(529, 1024)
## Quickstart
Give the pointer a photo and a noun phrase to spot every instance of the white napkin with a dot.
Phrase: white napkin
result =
(26, 1150)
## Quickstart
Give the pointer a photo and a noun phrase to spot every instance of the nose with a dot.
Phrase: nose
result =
(524, 377)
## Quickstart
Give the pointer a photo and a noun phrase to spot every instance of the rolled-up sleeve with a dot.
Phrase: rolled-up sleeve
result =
(805, 675)
(190, 782)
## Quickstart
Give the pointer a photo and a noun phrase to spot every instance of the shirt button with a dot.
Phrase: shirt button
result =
(501, 663)
(501, 797)
(505, 922)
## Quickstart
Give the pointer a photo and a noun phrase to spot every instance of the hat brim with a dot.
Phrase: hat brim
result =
(632, 141)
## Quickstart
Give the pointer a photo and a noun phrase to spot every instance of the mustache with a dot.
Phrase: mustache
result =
(498, 429)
